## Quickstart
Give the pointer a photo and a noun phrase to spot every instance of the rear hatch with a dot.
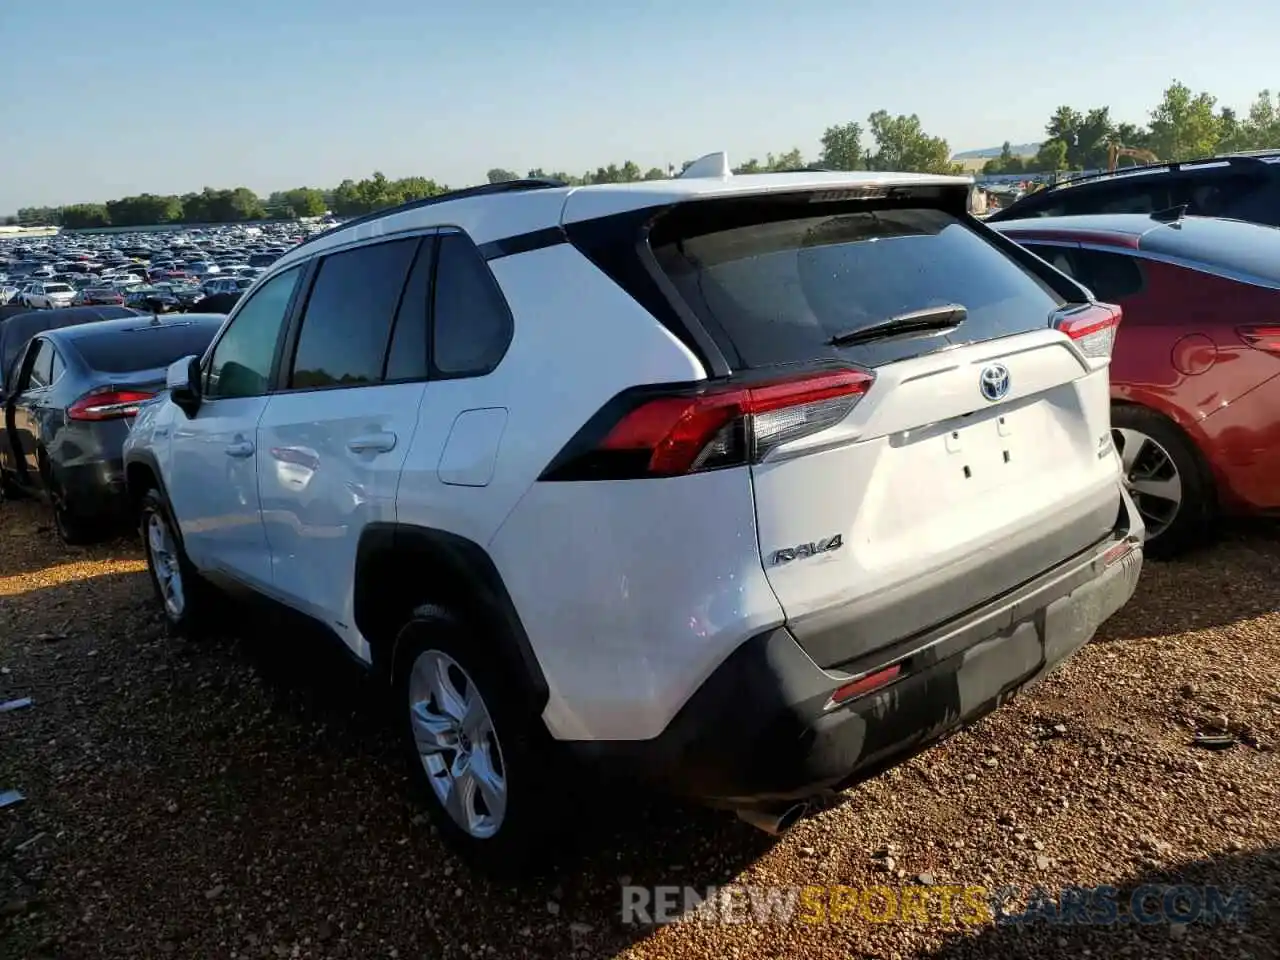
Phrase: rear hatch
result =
(906, 476)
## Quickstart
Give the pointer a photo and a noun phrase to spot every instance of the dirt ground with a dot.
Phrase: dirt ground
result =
(243, 797)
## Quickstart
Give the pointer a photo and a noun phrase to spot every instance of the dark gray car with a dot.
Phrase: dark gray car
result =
(75, 393)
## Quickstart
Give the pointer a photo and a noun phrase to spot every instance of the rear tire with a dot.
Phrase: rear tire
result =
(483, 764)
(184, 597)
(1168, 479)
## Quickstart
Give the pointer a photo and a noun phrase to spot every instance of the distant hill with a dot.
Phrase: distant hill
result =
(1019, 150)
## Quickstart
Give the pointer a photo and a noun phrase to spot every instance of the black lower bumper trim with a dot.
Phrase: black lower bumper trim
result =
(759, 729)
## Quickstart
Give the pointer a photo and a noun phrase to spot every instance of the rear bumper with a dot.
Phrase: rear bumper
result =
(760, 728)
(96, 490)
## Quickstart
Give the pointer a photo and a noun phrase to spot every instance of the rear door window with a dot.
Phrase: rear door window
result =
(347, 322)
(778, 289)
(1110, 277)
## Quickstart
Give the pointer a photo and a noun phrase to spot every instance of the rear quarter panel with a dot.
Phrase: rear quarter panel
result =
(1178, 352)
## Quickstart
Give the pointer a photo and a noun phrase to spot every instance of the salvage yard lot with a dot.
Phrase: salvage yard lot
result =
(244, 797)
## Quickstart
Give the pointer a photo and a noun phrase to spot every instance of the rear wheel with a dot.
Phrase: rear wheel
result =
(1167, 478)
(482, 763)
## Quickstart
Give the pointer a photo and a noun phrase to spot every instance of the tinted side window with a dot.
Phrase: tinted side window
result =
(56, 365)
(1110, 277)
(348, 318)
(241, 361)
(1123, 197)
(1259, 203)
(472, 323)
(42, 366)
(407, 356)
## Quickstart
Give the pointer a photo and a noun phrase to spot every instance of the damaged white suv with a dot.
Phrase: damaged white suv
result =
(748, 486)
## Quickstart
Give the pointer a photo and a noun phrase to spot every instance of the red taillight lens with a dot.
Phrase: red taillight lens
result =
(1261, 338)
(1093, 328)
(107, 404)
(864, 685)
(689, 431)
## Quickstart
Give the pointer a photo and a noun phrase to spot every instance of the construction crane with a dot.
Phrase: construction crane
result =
(1115, 152)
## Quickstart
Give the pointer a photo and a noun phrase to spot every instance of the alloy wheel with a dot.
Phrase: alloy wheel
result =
(1151, 477)
(457, 744)
(165, 566)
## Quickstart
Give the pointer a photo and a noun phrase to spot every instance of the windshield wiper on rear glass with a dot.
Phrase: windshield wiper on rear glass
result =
(929, 320)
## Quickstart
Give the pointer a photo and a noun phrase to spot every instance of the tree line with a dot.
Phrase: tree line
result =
(1184, 125)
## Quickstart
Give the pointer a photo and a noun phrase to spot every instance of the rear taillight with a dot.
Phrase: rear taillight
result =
(108, 404)
(683, 431)
(1092, 327)
(1261, 338)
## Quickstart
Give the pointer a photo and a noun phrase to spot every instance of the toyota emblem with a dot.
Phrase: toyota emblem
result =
(994, 381)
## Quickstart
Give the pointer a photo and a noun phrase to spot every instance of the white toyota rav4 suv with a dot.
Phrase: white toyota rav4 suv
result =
(748, 486)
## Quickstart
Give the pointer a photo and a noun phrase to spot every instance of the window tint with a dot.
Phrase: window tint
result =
(1110, 277)
(56, 367)
(1260, 203)
(146, 347)
(1126, 198)
(407, 358)
(42, 366)
(1213, 196)
(241, 362)
(348, 319)
(471, 328)
(780, 289)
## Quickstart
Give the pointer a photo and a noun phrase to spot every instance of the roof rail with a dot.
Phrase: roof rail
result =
(1252, 159)
(483, 190)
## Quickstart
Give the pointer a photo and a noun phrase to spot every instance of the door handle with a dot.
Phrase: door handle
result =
(373, 443)
(241, 449)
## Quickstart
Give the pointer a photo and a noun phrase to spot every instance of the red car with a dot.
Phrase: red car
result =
(1195, 373)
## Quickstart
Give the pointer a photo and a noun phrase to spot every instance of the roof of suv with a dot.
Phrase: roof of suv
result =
(1262, 162)
(498, 211)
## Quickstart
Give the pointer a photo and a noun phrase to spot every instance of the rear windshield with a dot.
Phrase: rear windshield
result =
(780, 290)
(56, 288)
(1243, 248)
(146, 348)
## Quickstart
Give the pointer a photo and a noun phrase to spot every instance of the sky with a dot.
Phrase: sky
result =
(104, 100)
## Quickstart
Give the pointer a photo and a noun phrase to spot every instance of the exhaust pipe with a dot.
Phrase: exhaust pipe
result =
(774, 821)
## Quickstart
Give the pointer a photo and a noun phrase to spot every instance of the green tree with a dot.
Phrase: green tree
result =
(1050, 158)
(1261, 129)
(1184, 125)
(79, 216)
(842, 147)
(500, 175)
(793, 159)
(1092, 136)
(39, 216)
(304, 201)
(901, 144)
(1064, 126)
(655, 173)
(751, 166)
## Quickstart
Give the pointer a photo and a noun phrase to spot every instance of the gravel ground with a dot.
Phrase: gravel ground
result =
(219, 800)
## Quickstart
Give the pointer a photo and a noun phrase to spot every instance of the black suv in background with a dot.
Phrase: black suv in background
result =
(1238, 186)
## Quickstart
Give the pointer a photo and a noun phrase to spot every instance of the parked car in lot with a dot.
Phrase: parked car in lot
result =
(845, 484)
(1195, 379)
(91, 296)
(1240, 187)
(46, 295)
(18, 325)
(76, 390)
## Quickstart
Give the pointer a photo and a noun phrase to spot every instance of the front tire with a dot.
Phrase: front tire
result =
(183, 595)
(1168, 479)
(483, 764)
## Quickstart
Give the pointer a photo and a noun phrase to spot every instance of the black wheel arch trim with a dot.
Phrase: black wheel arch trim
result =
(388, 546)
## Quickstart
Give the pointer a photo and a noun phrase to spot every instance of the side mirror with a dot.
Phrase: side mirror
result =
(182, 380)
